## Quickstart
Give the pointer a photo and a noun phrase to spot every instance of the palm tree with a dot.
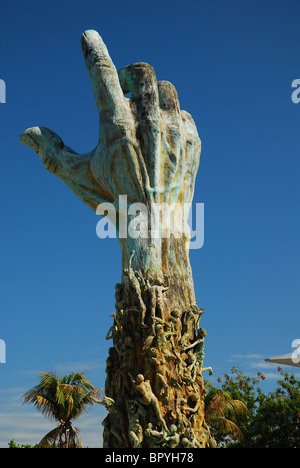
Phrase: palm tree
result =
(62, 399)
(221, 410)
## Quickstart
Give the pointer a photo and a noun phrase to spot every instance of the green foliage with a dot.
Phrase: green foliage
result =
(273, 419)
(13, 444)
(222, 412)
(62, 399)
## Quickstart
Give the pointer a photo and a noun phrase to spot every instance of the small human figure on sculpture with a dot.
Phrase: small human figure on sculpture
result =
(119, 301)
(189, 440)
(190, 324)
(156, 301)
(110, 366)
(156, 364)
(112, 425)
(168, 438)
(176, 323)
(137, 292)
(148, 398)
(135, 431)
(162, 335)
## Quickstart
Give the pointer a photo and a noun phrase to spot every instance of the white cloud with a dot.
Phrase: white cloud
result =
(79, 366)
(272, 375)
(257, 361)
(261, 365)
(235, 357)
(27, 426)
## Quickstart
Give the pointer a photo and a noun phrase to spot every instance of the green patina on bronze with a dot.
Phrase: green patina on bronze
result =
(149, 150)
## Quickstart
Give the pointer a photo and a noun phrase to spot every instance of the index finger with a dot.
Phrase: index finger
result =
(109, 96)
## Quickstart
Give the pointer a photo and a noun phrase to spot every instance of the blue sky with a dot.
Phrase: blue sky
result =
(233, 64)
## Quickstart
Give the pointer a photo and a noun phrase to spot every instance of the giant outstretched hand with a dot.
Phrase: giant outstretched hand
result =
(148, 148)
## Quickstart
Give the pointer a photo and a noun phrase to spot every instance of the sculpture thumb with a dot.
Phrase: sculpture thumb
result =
(41, 140)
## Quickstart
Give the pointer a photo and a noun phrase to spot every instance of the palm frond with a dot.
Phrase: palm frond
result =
(226, 427)
(235, 408)
(41, 403)
(51, 438)
(221, 412)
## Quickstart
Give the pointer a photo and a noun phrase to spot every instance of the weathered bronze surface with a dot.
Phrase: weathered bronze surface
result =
(148, 150)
